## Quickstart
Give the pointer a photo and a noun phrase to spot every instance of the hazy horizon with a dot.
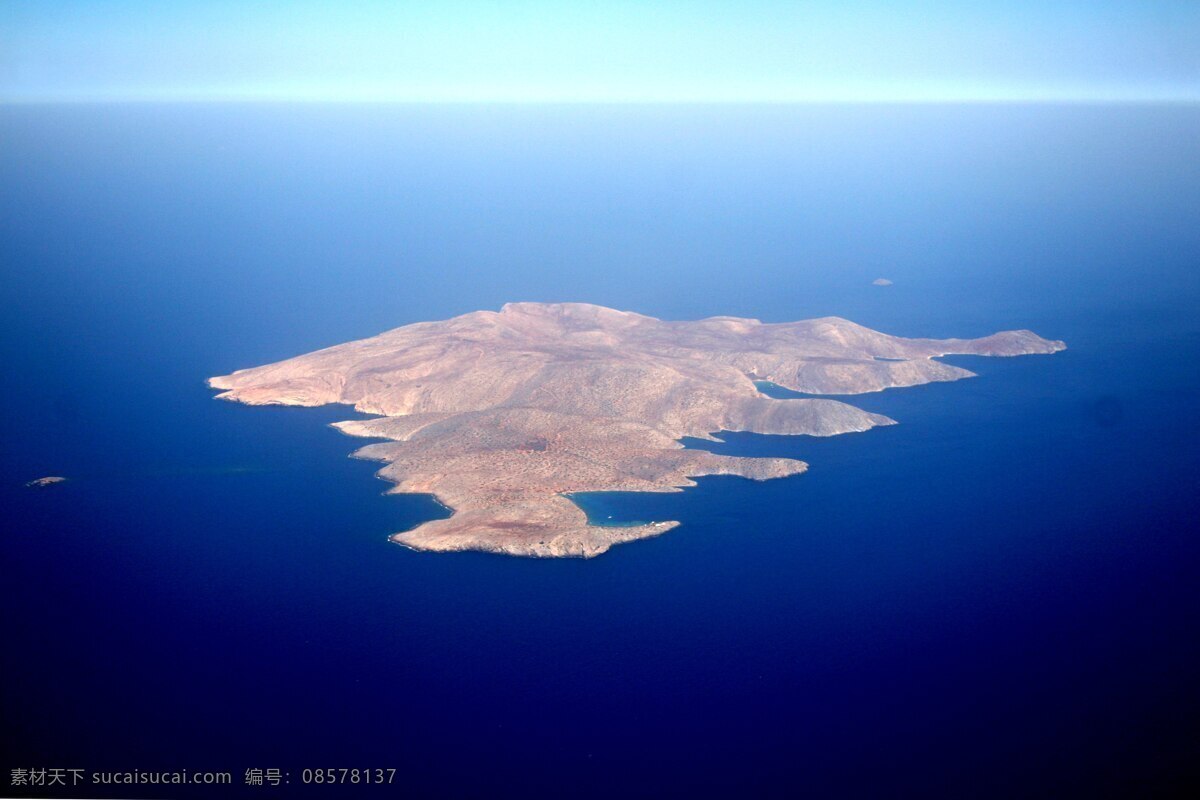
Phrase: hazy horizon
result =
(538, 52)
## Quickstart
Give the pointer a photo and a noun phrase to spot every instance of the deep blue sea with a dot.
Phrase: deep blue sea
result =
(999, 597)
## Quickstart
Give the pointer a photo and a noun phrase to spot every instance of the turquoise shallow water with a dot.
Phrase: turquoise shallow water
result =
(995, 597)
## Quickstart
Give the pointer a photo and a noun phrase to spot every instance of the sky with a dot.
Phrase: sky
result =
(608, 51)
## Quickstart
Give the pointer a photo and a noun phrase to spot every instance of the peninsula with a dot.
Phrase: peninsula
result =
(503, 415)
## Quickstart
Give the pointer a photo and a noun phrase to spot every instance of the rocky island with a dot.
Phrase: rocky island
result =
(502, 415)
(49, 480)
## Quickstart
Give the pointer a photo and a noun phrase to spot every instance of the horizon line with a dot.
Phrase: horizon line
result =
(386, 101)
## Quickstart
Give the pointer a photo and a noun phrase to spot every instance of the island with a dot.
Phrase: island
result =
(502, 416)
(49, 480)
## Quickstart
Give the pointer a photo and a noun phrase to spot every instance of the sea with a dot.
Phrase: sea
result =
(998, 597)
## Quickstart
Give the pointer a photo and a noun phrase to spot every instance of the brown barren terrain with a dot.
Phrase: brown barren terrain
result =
(500, 415)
